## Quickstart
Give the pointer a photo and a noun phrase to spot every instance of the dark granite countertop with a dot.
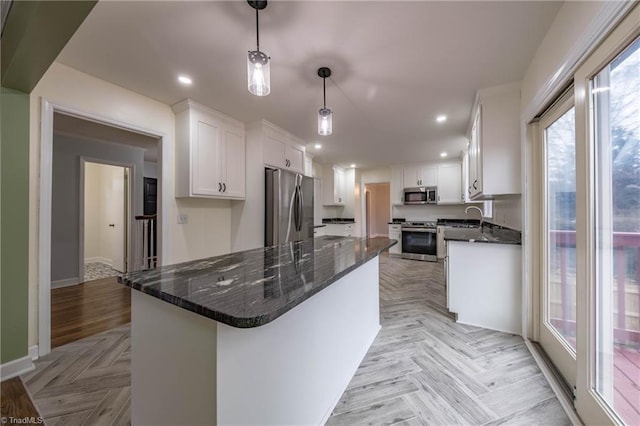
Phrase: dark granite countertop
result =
(254, 287)
(339, 221)
(462, 223)
(488, 234)
(319, 226)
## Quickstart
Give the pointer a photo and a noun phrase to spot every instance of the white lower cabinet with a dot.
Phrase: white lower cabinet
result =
(339, 229)
(319, 232)
(484, 284)
(442, 249)
(395, 233)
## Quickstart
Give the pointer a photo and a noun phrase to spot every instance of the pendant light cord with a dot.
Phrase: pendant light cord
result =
(324, 91)
(257, 32)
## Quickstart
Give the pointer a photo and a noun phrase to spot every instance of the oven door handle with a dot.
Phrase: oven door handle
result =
(433, 231)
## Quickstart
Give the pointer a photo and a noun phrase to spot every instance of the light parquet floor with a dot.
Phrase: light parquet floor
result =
(423, 368)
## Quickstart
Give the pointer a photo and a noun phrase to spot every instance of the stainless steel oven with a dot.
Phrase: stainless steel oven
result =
(420, 242)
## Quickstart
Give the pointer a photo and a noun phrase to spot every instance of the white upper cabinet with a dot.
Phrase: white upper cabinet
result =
(333, 184)
(281, 149)
(449, 184)
(397, 185)
(420, 176)
(494, 149)
(210, 153)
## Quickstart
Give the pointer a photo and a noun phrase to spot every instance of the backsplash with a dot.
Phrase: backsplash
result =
(507, 211)
(432, 212)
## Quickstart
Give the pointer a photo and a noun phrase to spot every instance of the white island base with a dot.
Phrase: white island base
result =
(187, 369)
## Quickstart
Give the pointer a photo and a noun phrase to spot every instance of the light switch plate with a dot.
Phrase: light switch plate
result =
(183, 219)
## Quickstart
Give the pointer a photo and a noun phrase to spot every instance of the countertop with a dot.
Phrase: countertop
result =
(338, 221)
(319, 226)
(488, 234)
(254, 287)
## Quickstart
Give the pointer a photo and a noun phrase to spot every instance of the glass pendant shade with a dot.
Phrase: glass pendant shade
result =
(258, 73)
(325, 121)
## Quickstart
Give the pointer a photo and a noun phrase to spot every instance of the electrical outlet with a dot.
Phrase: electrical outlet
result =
(183, 218)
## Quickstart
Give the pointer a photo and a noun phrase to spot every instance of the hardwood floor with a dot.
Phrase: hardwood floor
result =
(423, 368)
(16, 402)
(86, 309)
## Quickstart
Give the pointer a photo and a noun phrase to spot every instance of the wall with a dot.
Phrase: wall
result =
(150, 169)
(207, 232)
(507, 211)
(14, 225)
(379, 201)
(65, 196)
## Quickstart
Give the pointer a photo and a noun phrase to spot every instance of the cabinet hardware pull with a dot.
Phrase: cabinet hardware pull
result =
(224, 187)
(474, 184)
(112, 225)
(219, 187)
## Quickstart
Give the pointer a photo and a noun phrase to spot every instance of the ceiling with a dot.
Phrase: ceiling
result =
(396, 65)
(74, 126)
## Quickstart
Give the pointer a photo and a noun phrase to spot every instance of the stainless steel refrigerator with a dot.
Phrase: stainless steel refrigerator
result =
(288, 207)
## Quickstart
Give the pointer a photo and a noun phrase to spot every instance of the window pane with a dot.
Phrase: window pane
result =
(616, 100)
(561, 226)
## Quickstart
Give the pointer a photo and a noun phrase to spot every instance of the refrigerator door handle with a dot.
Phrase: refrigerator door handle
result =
(301, 206)
(296, 208)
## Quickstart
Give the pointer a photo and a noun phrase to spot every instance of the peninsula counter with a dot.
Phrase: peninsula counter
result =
(265, 336)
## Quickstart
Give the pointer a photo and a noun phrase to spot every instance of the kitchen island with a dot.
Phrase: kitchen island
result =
(265, 336)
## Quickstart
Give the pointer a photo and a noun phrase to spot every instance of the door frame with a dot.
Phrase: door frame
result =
(129, 220)
(47, 110)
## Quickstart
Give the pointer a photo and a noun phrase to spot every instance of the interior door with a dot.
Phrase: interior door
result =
(115, 212)
(558, 214)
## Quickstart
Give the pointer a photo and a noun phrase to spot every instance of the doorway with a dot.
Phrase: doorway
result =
(105, 215)
(377, 214)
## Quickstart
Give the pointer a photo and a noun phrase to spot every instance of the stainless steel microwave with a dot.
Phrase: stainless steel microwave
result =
(420, 195)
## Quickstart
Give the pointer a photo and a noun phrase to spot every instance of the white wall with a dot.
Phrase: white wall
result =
(65, 195)
(150, 169)
(208, 230)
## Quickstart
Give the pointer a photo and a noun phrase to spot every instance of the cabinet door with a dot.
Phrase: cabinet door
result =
(294, 159)
(274, 149)
(205, 160)
(410, 176)
(397, 186)
(449, 177)
(234, 164)
(395, 234)
(475, 169)
(428, 176)
(338, 188)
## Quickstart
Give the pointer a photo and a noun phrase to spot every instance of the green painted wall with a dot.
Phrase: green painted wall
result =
(14, 224)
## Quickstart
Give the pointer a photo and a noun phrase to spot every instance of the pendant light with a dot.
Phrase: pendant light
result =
(258, 73)
(325, 115)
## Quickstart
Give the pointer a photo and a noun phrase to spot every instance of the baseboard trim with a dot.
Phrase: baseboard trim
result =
(66, 282)
(556, 386)
(99, 259)
(16, 368)
(33, 352)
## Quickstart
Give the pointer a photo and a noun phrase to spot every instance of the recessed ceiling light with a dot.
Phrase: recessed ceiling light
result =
(317, 146)
(441, 118)
(443, 154)
(185, 80)
(353, 166)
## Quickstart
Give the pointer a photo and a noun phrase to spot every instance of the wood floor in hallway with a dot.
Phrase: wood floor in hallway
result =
(423, 368)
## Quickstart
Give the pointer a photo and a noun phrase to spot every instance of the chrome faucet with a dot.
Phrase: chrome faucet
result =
(466, 211)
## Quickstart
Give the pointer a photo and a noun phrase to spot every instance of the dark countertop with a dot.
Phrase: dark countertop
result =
(462, 223)
(254, 287)
(489, 234)
(319, 226)
(339, 221)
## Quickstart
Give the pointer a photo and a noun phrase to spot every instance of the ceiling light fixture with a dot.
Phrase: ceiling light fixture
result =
(317, 146)
(325, 115)
(443, 154)
(353, 166)
(258, 65)
(441, 118)
(185, 80)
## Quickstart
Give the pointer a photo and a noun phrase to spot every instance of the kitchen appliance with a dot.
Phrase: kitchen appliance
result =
(419, 241)
(288, 207)
(420, 195)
